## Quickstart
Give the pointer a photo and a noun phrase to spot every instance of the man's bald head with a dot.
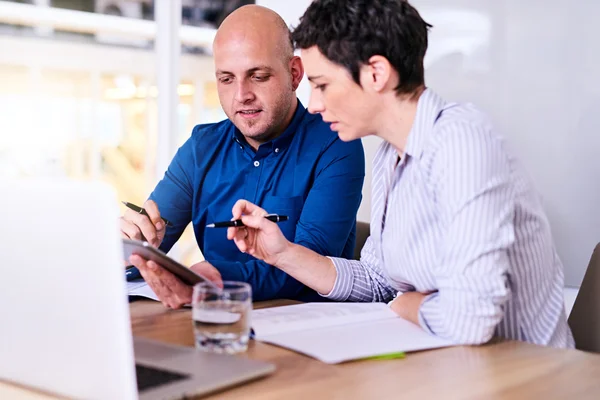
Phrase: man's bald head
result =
(257, 72)
(256, 25)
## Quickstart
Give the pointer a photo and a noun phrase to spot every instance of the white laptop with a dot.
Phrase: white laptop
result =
(64, 314)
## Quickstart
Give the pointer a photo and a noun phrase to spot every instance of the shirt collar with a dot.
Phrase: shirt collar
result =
(282, 141)
(429, 109)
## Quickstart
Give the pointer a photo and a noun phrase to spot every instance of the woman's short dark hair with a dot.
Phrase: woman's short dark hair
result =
(350, 32)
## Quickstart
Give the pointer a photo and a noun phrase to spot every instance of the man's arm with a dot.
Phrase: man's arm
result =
(327, 218)
(173, 194)
(472, 180)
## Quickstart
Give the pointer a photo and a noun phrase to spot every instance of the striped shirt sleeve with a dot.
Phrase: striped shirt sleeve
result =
(360, 280)
(471, 177)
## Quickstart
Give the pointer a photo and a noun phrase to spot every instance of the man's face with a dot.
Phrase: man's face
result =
(255, 86)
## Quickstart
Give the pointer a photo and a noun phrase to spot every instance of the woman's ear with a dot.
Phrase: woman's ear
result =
(379, 73)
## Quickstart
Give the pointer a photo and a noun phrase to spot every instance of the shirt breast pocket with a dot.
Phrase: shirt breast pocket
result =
(288, 206)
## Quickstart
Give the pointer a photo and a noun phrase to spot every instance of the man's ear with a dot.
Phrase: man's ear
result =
(297, 70)
(378, 74)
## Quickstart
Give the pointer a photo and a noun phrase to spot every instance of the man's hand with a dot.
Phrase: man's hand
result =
(138, 226)
(407, 305)
(168, 288)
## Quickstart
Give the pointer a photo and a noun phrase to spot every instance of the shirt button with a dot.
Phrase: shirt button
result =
(277, 150)
(256, 163)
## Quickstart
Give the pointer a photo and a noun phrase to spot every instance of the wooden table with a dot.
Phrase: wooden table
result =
(507, 370)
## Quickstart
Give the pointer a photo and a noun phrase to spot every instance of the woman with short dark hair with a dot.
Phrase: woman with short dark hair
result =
(459, 239)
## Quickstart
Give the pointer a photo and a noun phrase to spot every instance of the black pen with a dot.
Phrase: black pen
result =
(238, 222)
(142, 211)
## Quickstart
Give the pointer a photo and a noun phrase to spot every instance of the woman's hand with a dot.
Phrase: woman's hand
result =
(259, 237)
(407, 305)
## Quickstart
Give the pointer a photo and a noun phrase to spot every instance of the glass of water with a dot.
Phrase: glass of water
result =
(221, 317)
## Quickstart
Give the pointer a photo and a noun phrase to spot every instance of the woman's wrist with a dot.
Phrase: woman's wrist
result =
(312, 269)
(285, 258)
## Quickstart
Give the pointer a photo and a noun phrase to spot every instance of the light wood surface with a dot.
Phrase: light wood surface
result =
(507, 370)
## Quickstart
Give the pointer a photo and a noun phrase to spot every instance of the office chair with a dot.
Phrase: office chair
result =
(363, 230)
(585, 315)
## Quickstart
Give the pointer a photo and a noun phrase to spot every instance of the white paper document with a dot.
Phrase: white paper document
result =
(140, 288)
(337, 332)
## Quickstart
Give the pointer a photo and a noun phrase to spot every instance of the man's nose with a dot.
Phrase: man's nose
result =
(244, 92)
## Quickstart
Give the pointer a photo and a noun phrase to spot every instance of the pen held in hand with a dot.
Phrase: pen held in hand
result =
(142, 211)
(238, 222)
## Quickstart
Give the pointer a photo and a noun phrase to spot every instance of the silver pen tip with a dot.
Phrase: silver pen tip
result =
(210, 225)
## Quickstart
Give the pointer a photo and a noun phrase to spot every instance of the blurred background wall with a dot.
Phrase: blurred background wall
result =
(79, 89)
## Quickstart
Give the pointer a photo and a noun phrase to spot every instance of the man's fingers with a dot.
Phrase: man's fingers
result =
(216, 278)
(148, 270)
(171, 281)
(149, 275)
(157, 269)
(154, 275)
(130, 230)
(174, 292)
(152, 210)
(181, 299)
(144, 224)
(207, 270)
(137, 261)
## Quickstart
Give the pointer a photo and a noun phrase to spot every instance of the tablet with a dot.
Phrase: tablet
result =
(145, 250)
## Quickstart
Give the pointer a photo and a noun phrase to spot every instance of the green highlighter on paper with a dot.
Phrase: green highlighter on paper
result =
(389, 356)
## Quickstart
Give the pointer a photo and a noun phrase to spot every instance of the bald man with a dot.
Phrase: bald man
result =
(271, 151)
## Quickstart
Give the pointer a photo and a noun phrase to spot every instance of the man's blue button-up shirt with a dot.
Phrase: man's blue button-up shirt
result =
(307, 173)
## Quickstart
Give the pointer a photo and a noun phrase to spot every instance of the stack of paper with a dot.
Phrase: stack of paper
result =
(140, 288)
(337, 332)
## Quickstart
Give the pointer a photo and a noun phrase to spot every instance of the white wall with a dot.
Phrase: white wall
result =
(532, 65)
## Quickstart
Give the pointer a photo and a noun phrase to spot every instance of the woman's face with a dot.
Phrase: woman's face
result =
(350, 108)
